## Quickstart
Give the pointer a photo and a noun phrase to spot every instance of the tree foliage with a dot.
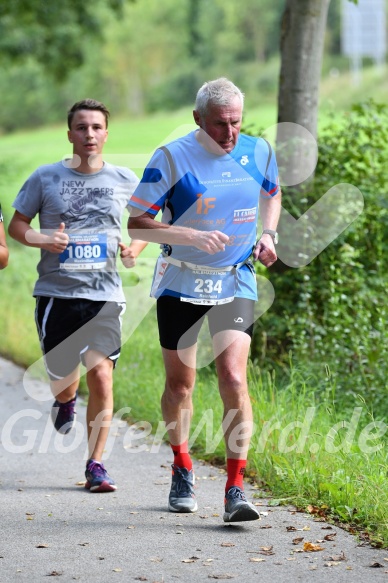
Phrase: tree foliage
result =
(55, 33)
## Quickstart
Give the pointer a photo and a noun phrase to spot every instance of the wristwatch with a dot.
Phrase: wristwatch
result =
(273, 234)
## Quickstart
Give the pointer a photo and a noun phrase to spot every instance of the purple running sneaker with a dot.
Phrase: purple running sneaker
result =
(97, 478)
(64, 415)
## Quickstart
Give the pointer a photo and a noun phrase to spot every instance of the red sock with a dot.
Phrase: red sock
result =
(235, 470)
(182, 458)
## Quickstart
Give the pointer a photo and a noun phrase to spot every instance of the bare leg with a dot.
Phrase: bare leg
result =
(177, 406)
(65, 389)
(100, 405)
(232, 379)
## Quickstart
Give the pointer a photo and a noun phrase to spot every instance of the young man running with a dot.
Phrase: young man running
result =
(79, 296)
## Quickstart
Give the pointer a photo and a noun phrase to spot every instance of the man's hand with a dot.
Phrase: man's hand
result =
(127, 255)
(58, 241)
(210, 241)
(265, 251)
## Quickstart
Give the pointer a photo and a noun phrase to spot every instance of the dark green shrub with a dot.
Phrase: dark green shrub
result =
(332, 313)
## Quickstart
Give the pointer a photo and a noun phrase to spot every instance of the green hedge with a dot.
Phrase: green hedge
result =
(332, 313)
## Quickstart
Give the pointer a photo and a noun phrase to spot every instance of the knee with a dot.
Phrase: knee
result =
(100, 380)
(232, 380)
(177, 390)
(233, 388)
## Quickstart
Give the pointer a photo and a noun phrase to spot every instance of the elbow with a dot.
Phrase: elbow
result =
(11, 231)
(133, 227)
(4, 260)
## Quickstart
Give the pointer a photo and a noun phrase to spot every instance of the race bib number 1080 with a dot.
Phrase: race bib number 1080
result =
(84, 252)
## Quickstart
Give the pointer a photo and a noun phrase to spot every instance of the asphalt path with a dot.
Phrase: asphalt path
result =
(51, 526)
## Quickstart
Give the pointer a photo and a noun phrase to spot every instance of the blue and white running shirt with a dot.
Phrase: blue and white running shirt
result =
(211, 192)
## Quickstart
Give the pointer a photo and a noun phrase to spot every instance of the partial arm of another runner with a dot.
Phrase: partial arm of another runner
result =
(3, 247)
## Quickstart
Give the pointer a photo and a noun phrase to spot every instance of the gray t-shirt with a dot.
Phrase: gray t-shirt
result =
(91, 206)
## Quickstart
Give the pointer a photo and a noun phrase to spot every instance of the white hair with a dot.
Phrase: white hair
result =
(218, 92)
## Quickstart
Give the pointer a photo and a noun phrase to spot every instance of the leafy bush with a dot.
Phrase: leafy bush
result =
(332, 312)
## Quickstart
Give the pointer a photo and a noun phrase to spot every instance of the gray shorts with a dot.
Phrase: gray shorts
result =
(68, 328)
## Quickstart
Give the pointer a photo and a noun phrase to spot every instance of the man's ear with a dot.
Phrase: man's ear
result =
(197, 117)
(69, 137)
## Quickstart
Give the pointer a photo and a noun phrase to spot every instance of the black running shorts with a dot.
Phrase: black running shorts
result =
(68, 328)
(180, 322)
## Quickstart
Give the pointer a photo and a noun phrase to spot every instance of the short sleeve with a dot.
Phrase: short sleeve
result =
(153, 189)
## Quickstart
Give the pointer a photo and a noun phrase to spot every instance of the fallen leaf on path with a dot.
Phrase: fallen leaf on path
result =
(309, 547)
(83, 544)
(297, 540)
(291, 528)
(340, 557)
(265, 526)
(256, 560)
(318, 510)
(332, 564)
(376, 565)
(228, 545)
(55, 574)
(117, 570)
(330, 536)
(222, 576)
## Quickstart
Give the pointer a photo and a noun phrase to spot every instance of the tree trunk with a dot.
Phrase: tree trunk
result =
(301, 47)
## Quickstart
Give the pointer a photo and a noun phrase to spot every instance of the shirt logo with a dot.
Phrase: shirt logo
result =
(244, 215)
(244, 160)
(238, 320)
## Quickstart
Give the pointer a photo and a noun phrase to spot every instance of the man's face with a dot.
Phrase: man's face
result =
(222, 125)
(88, 133)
